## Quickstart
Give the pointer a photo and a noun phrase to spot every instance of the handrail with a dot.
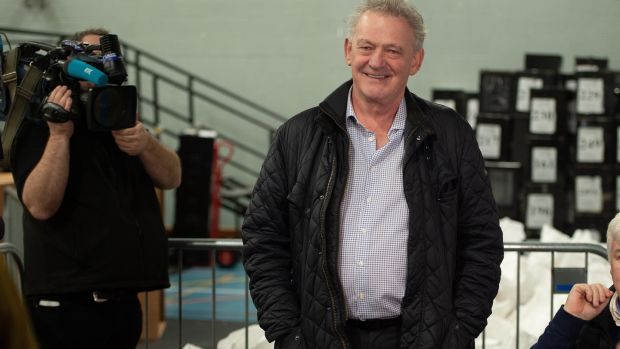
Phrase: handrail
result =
(188, 243)
(567, 247)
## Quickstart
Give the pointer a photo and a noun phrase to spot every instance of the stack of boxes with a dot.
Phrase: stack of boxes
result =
(550, 140)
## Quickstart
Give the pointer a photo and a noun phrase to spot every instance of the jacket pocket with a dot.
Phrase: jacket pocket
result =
(292, 340)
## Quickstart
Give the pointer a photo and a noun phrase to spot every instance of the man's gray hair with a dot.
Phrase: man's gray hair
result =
(613, 233)
(396, 8)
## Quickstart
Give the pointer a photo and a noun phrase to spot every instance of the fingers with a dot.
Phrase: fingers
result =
(595, 294)
(61, 95)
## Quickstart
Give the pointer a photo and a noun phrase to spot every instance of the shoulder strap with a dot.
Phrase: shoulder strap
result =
(17, 111)
(9, 71)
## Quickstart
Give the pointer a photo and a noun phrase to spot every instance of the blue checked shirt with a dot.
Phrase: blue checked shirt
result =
(372, 262)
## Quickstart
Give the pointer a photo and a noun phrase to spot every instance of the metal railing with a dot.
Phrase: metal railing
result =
(213, 245)
(14, 262)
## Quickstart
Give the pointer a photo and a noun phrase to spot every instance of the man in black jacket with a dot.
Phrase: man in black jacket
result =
(372, 223)
(590, 318)
(93, 231)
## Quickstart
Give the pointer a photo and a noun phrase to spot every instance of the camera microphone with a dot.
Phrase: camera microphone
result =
(84, 71)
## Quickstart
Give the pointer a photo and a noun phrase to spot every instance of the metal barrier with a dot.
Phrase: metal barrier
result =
(14, 261)
(214, 245)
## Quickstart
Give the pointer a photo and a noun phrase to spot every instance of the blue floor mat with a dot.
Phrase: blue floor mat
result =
(197, 284)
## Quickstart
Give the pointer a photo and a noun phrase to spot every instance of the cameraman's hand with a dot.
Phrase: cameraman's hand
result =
(61, 95)
(134, 140)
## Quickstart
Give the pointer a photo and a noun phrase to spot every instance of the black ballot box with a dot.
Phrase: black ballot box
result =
(549, 112)
(547, 162)
(596, 140)
(543, 62)
(497, 91)
(506, 180)
(597, 93)
(494, 136)
(543, 204)
(454, 99)
(527, 81)
(594, 188)
(193, 196)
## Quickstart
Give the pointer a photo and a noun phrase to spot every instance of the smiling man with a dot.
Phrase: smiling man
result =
(372, 224)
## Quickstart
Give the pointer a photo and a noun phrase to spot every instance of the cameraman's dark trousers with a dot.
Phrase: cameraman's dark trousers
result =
(86, 320)
(374, 334)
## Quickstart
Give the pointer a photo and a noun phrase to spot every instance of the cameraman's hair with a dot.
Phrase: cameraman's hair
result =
(90, 31)
(396, 8)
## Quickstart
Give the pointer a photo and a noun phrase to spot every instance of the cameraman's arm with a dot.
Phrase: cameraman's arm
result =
(161, 164)
(45, 186)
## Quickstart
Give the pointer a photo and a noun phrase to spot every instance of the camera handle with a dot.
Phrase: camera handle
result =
(53, 112)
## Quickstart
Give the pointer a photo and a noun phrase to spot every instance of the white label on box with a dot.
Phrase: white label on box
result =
(524, 86)
(543, 116)
(473, 107)
(489, 137)
(617, 193)
(589, 194)
(544, 164)
(450, 103)
(590, 144)
(539, 210)
(590, 96)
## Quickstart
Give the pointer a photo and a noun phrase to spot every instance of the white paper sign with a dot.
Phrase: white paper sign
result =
(489, 137)
(524, 86)
(539, 210)
(588, 194)
(544, 164)
(450, 103)
(543, 116)
(473, 107)
(590, 144)
(590, 96)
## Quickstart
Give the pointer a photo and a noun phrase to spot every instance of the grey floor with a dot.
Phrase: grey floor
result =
(196, 332)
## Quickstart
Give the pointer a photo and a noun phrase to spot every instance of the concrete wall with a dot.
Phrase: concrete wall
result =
(288, 54)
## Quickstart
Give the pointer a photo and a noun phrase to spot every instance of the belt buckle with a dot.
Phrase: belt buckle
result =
(98, 298)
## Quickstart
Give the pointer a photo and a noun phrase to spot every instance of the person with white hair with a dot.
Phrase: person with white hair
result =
(590, 318)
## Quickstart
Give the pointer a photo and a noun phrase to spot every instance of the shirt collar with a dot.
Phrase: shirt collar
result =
(399, 119)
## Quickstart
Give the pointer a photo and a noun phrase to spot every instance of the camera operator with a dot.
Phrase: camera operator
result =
(93, 231)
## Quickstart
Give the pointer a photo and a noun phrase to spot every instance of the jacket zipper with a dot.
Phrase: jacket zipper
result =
(323, 245)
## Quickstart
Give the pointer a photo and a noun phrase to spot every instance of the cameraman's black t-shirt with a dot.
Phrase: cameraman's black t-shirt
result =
(108, 232)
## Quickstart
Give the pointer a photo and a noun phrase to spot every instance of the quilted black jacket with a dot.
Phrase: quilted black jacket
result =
(291, 229)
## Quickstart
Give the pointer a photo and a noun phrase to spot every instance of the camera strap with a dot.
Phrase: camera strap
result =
(20, 103)
(9, 72)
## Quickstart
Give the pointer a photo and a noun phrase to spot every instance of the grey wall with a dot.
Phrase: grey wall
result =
(288, 54)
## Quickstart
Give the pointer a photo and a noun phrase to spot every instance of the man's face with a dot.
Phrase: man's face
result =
(382, 57)
(615, 264)
(92, 40)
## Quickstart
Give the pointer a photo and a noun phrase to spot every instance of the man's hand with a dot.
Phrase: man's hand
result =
(61, 95)
(134, 140)
(586, 301)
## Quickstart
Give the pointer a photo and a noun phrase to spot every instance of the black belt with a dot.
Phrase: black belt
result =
(95, 296)
(374, 324)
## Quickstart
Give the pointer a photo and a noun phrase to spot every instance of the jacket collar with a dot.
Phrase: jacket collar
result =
(335, 108)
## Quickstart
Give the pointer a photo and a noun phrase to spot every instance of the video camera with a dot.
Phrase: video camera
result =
(107, 105)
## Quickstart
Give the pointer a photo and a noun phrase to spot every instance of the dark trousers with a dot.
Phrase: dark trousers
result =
(373, 334)
(80, 322)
